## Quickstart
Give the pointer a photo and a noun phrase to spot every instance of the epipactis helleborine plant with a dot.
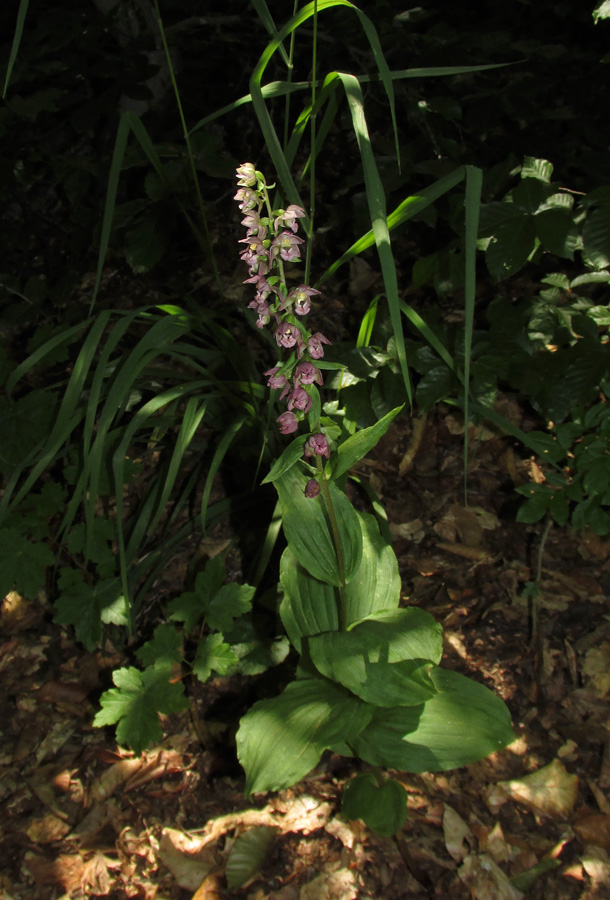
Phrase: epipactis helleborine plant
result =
(271, 240)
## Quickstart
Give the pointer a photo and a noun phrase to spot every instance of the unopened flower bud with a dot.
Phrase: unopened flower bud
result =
(312, 489)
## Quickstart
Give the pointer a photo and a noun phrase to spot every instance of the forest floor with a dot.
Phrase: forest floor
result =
(81, 818)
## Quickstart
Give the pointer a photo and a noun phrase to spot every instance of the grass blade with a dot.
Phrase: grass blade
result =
(18, 34)
(472, 201)
(262, 11)
(377, 211)
(403, 212)
(118, 154)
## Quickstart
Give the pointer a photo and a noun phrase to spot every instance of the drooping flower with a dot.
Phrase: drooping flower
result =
(312, 489)
(287, 335)
(288, 422)
(248, 198)
(307, 373)
(299, 399)
(286, 245)
(317, 445)
(246, 175)
(253, 223)
(277, 382)
(263, 288)
(300, 298)
(314, 345)
(288, 217)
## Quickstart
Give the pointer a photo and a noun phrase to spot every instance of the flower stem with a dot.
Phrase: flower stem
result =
(342, 610)
(279, 262)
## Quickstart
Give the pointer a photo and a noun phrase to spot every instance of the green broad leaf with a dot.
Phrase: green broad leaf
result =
(545, 445)
(229, 603)
(559, 508)
(310, 606)
(376, 585)
(461, 724)
(383, 807)
(358, 445)
(511, 245)
(248, 854)
(602, 277)
(596, 237)
(597, 476)
(146, 243)
(23, 564)
(535, 508)
(190, 606)
(541, 169)
(408, 633)
(292, 453)
(280, 740)
(530, 193)
(135, 703)
(165, 649)
(355, 660)
(435, 385)
(557, 279)
(602, 11)
(88, 606)
(308, 533)
(557, 232)
(497, 214)
(213, 655)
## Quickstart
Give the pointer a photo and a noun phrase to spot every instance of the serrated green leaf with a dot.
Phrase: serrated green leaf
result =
(383, 807)
(190, 607)
(135, 703)
(100, 550)
(280, 740)
(230, 602)
(165, 648)
(461, 724)
(255, 657)
(213, 655)
(247, 855)
(87, 606)
(23, 564)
